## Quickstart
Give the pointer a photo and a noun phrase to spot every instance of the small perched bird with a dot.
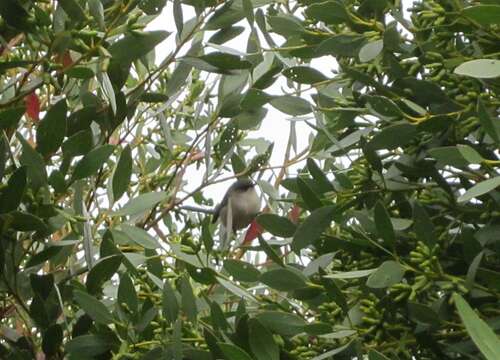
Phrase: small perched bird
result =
(244, 205)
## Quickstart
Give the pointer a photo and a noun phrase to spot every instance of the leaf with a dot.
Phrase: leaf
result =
(304, 75)
(277, 225)
(12, 195)
(270, 251)
(371, 50)
(188, 300)
(96, 9)
(140, 236)
(9, 119)
(224, 17)
(384, 106)
(236, 290)
(341, 45)
(141, 203)
(482, 335)
(73, 9)
(133, 46)
(233, 352)
(458, 156)
(291, 105)
(285, 25)
(241, 271)
(422, 313)
(479, 68)
(92, 162)
(224, 35)
(283, 323)
(483, 14)
(393, 136)
(333, 291)
(330, 12)
(423, 226)
(479, 189)
(52, 339)
(284, 279)
(93, 307)
(254, 98)
(90, 345)
(101, 272)
(375, 355)
(487, 122)
(122, 173)
(78, 144)
(226, 61)
(262, 342)
(35, 166)
(22, 221)
(320, 178)
(388, 274)
(127, 294)
(311, 199)
(170, 305)
(311, 229)
(384, 225)
(351, 274)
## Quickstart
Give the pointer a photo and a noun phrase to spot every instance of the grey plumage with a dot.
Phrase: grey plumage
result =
(245, 205)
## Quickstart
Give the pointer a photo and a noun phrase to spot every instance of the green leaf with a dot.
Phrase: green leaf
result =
(224, 35)
(482, 335)
(323, 184)
(277, 225)
(52, 339)
(170, 305)
(422, 313)
(423, 226)
(96, 9)
(188, 300)
(141, 203)
(140, 236)
(285, 25)
(351, 274)
(90, 345)
(226, 61)
(92, 162)
(304, 75)
(241, 271)
(375, 355)
(247, 120)
(283, 323)
(51, 129)
(262, 342)
(224, 17)
(393, 136)
(479, 68)
(341, 45)
(311, 199)
(12, 195)
(330, 12)
(233, 352)
(384, 106)
(254, 98)
(78, 144)
(333, 291)
(10, 118)
(122, 173)
(93, 307)
(483, 14)
(371, 50)
(487, 122)
(236, 290)
(73, 9)
(311, 229)
(479, 189)
(458, 156)
(127, 294)
(80, 72)
(34, 164)
(23, 221)
(101, 272)
(388, 274)
(284, 279)
(291, 105)
(270, 251)
(135, 45)
(384, 225)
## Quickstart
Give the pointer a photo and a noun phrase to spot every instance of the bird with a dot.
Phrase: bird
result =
(242, 202)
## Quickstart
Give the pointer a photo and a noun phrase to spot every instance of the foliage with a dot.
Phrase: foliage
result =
(383, 245)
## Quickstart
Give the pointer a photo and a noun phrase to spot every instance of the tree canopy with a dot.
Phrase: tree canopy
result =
(378, 240)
